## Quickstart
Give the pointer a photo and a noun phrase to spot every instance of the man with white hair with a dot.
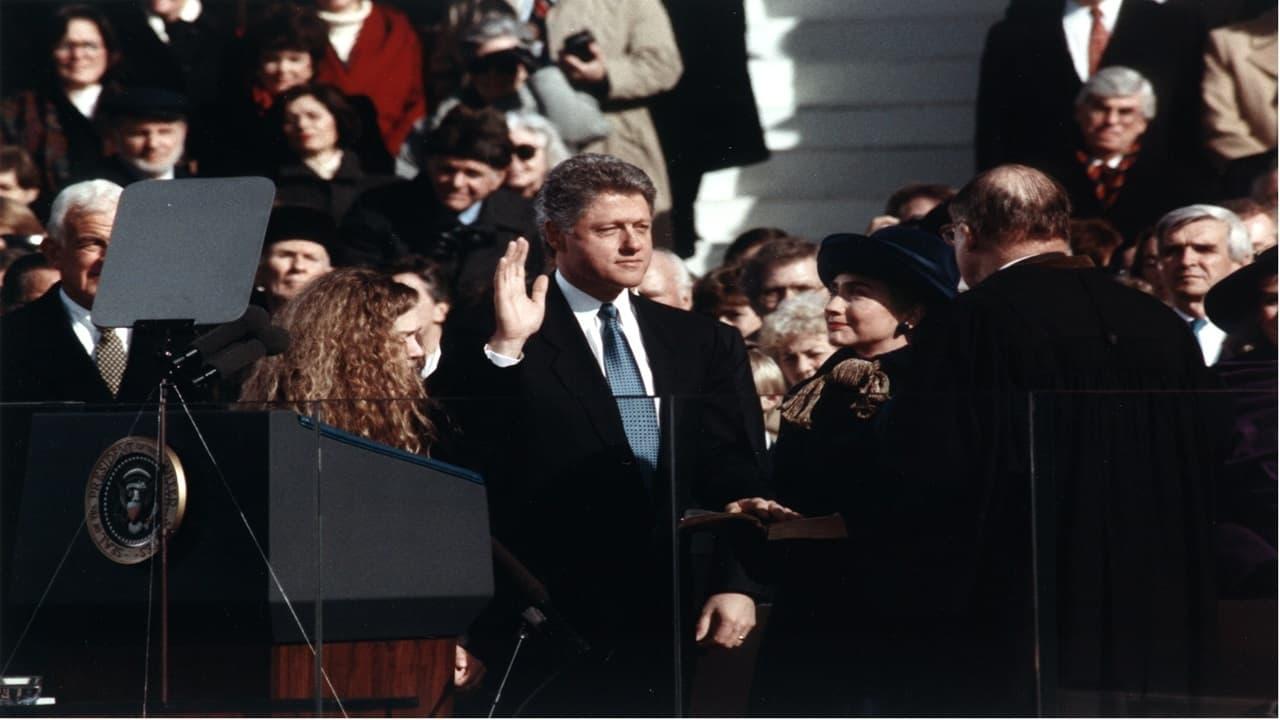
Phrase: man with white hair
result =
(1112, 174)
(1199, 245)
(52, 350)
(668, 281)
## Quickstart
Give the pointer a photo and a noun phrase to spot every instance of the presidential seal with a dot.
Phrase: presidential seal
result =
(121, 505)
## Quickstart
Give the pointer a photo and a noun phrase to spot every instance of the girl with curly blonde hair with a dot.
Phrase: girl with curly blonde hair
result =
(353, 350)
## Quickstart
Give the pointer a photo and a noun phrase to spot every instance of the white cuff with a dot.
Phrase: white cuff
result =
(499, 359)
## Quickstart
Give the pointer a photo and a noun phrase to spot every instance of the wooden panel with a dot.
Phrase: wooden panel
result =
(371, 669)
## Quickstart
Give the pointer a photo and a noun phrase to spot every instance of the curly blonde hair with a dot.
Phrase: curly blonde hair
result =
(343, 354)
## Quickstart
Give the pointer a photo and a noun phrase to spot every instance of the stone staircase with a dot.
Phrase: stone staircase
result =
(857, 97)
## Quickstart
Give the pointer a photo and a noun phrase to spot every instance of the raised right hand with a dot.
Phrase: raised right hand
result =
(518, 314)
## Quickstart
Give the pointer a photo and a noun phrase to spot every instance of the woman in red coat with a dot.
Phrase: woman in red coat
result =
(374, 51)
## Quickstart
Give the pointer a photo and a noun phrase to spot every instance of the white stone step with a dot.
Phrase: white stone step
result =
(861, 40)
(823, 128)
(819, 174)
(787, 84)
(813, 9)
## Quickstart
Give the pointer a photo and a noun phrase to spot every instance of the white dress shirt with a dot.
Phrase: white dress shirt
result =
(190, 12)
(1209, 336)
(431, 362)
(86, 99)
(1077, 23)
(586, 311)
(85, 331)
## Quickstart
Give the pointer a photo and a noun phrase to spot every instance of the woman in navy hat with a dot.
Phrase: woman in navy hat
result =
(814, 660)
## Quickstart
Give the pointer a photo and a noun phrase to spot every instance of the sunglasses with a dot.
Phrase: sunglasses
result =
(504, 63)
(526, 152)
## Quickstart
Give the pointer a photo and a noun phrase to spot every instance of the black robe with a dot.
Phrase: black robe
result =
(1050, 518)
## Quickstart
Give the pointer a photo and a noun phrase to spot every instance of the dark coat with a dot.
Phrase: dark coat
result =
(297, 184)
(191, 63)
(42, 361)
(1050, 388)
(567, 496)
(390, 222)
(714, 88)
(817, 635)
(1027, 85)
(1153, 186)
(63, 143)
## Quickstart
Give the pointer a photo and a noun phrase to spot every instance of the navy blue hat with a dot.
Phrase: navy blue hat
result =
(900, 254)
(1232, 303)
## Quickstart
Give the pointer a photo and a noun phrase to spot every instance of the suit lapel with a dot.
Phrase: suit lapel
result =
(658, 345)
(79, 372)
(576, 369)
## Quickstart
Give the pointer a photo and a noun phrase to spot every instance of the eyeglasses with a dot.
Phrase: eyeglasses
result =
(954, 233)
(504, 63)
(526, 152)
(91, 48)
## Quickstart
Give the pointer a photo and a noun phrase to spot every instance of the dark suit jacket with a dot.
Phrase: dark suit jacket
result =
(42, 361)
(1153, 186)
(1048, 391)
(1028, 85)
(566, 494)
(405, 217)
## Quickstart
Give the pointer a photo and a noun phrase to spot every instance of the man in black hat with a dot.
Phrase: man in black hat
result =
(301, 245)
(147, 129)
(1053, 468)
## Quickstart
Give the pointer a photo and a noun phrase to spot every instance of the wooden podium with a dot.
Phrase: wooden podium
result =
(294, 533)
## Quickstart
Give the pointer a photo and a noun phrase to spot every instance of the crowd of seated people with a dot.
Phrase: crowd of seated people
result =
(409, 164)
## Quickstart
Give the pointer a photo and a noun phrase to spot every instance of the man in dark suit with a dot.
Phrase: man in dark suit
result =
(1036, 59)
(455, 211)
(1055, 466)
(587, 471)
(1113, 174)
(147, 128)
(52, 351)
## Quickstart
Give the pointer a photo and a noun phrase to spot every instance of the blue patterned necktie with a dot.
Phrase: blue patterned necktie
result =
(639, 420)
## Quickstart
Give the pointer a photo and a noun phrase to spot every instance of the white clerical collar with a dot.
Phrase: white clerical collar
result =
(1015, 261)
(580, 302)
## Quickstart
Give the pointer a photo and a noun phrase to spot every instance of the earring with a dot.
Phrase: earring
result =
(903, 328)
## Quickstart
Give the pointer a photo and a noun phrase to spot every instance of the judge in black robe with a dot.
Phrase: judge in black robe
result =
(1047, 531)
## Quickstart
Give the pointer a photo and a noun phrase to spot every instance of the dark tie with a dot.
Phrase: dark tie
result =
(1195, 324)
(110, 358)
(639, 420)
(1098, 37)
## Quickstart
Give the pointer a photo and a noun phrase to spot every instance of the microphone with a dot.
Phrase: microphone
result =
(275, 339)
(231, 359)
(253, 322)
(539, 613)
